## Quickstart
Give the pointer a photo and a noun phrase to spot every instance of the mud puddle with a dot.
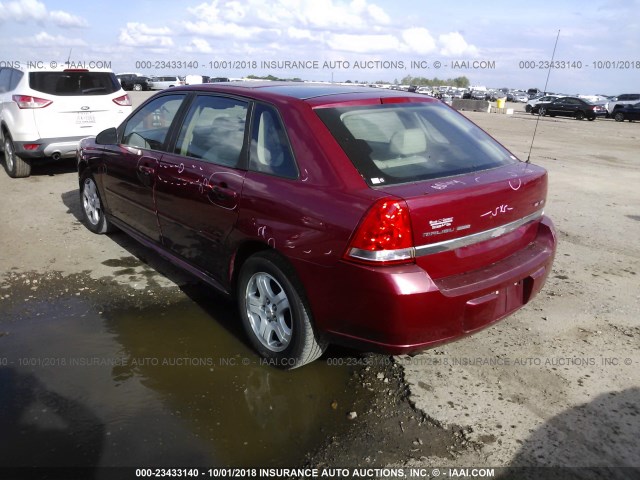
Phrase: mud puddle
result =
(154, 377)
(93, 373)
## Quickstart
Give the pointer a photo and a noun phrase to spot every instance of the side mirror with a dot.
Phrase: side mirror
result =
(107, 137)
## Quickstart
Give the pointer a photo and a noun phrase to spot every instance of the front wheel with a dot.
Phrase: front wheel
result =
(137, 87)
(275, 313)
(92, 209)
(15, 166)
(619, 117)
(542, 111)
(579, 115)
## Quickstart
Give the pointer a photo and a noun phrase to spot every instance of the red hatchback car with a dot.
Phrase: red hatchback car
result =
(376, 218)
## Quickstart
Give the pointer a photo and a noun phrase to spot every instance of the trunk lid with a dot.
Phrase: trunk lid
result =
(465, 222)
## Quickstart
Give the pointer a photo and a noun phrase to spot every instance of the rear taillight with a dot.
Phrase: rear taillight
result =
(31, 146)
(384, 235)
(123, 101)
(27, 101)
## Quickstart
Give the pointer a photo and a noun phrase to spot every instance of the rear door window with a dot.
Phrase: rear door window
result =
(74, 83)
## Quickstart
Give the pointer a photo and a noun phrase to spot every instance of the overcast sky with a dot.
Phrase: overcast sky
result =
(493, 43)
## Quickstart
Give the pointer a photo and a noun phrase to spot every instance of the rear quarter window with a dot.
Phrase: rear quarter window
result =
(401, 143)
(74, 83)
(5, 79)
(270, 151)
(9, 79)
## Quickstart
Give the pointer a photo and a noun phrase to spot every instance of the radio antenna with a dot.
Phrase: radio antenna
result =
(553, 55)
(69, 57)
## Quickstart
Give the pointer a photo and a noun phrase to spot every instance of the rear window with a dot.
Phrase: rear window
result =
(74, 83)
(400, 143)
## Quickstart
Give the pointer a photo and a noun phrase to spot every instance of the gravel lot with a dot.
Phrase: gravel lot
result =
(558, 383)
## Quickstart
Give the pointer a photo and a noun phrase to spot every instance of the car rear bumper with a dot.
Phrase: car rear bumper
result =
(402, 309)
(49, 147)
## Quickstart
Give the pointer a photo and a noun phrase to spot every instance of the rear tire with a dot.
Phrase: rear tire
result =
(92, 210)
(15, 166)
(137, 87)
(275, 313)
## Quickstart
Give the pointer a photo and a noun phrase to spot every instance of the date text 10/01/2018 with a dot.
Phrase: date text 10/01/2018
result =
(579, 65)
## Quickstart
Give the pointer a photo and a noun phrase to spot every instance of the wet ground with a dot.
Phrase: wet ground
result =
(96, 373)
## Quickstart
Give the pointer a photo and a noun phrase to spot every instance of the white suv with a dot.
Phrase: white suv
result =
(624, 99)
(45, 113)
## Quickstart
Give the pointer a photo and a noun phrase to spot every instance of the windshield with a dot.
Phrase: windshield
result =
(74, 83)
(399, 143)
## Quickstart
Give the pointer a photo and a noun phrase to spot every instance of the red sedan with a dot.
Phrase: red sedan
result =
(377, 218)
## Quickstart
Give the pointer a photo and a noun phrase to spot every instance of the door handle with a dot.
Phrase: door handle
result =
(145, 170)
(220, 192)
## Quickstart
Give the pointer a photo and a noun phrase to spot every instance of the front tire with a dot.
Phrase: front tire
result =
(619, 117)
(542, 111)
(15, 166)
(275, 313)
(579, 115)
(137, 87)
(92, 209)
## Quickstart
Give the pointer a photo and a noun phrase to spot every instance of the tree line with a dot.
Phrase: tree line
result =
(460, 82)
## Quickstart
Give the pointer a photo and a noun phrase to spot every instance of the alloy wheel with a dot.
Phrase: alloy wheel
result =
(9, 154)
(269, 312)
(91, 202)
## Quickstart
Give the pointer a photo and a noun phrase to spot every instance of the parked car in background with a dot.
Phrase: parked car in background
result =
(196, 79)
(626, 112)
(495, 94)
(570, 107)
(478, 94)
(534, 101)
(371, 217)
(131, 81)
(534, 92)
(45, 113)
(520, 97)
(624, 99)
(167, 81)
